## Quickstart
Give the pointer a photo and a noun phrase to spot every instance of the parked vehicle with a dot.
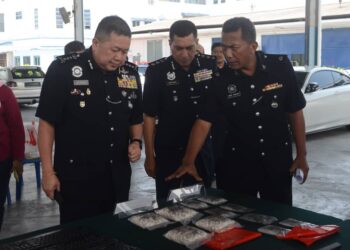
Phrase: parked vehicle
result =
(142, 70)
(327, 92)
(25, 82)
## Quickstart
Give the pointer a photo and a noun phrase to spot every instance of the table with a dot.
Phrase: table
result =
(125, 231)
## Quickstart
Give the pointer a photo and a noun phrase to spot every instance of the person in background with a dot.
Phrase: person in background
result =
(174, 91)
(11, 142)
(90, 107)
(217, 51)
(263, 105)
(199, 49)
(74, 47)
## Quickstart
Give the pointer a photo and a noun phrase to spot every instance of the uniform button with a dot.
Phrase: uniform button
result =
(275, 96)
(262, 153)
(286, 143)
(110, 113)
(210, 137)
(197, 116)
(109, 97)
(112, 144)
(257, 113)
(206, 86)
(194, 102)
(233, 104)
(191, 89)
(189, 75)
(112, 128)
(233, 149)
(105, 81)
(174, 91)
(260, 127)
(111, 161)
(71, 161)
(252, 86)
(261, 140)
(254, 99)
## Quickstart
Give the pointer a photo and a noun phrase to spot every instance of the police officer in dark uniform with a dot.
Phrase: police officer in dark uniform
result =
(260, 98)
(90, 107)
(173, 94)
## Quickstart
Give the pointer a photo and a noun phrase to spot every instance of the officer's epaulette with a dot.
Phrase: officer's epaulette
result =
(66, 58)
(130, 65)
(205, 56)
(274, 57)
(158, 61)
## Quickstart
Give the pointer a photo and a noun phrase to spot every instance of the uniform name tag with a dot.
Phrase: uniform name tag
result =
(128, 82)
(81, 82)
(203, 75)
(272, 86)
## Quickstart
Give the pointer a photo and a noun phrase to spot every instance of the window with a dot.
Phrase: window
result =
(26, 60)
(18, 15)
(87, 19)
(36, 19)
(340, 79)
(17, 60)
(215, 1)
(175, 1)
(195, 1)
(37, 60)
(135, 23)
(154, 50)
(59, 20)
(324, 79)
(2, 23)
(223, 1)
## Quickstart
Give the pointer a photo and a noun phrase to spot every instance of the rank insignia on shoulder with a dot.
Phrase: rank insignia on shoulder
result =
(77, 71)
(272, 86)
(130, 65)
(158, 61)
(66, 58)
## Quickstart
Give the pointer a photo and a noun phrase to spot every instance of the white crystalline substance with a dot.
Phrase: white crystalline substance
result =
(221, 212)
(213, 200)
(149, 220)
(177, 213)
(215, 223)
(189, 236)
(236, 208)
(259, 218)
(195, 204)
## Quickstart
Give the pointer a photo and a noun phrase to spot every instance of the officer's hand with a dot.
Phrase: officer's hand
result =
(134, 151)
(17, 168)
(185, 169)
(301, 163)
(150, 166)
(50, 184)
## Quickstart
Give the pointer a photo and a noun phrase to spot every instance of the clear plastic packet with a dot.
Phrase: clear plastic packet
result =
(216, 223)
(259, 218)
(195, 204)
(273, 230)
(184, 193)
(290, 222)
(237, 208)
(221, 212)
(179, 213)
(212, 200)
(149, 221)
(128, 208)
(188, 236)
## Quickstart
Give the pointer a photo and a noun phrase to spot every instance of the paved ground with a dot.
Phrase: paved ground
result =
(327, 190)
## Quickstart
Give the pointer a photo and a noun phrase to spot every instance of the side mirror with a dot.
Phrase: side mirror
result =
(312, 87)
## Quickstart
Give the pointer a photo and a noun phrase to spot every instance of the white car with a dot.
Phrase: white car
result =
(142, 70)
(25, 82)
(327, 92)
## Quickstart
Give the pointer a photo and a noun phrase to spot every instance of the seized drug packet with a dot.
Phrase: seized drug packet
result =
(290, 222)
(216, 223)
(149, 221)
(237, 208)
(178, 213)
(259, 218)
(222, 212)
(212, 200)
(273, 230)
(195, 204)
(189, 236)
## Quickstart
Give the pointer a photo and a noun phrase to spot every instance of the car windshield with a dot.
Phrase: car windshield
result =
(27, 73)
(300, 75)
